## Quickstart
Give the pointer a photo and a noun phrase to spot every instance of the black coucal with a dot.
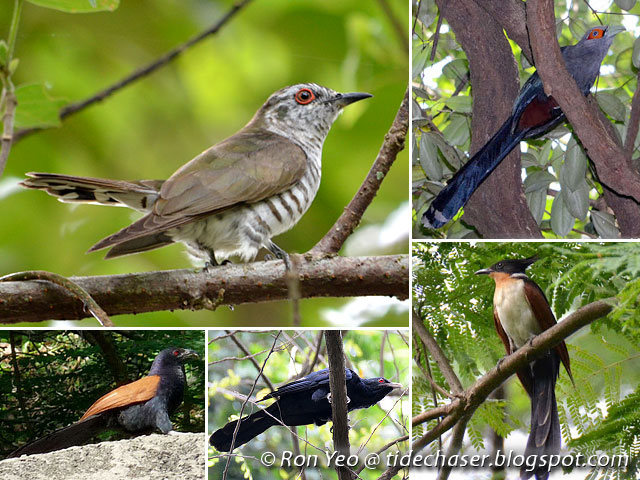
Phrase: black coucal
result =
(520, 312)
(303, 402)
(137, 407)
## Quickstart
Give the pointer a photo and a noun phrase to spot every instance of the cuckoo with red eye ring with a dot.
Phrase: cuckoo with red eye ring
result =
(533, 114)
(234, 197)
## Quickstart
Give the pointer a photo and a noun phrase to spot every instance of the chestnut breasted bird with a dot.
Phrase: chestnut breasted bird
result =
(232, 198)
(520, 312)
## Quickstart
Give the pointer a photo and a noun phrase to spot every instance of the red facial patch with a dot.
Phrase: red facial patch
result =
(304, 96)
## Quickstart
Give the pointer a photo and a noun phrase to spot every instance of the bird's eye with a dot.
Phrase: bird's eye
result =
(304, 96)
(381, 380)
(595, 33)
(176, 353)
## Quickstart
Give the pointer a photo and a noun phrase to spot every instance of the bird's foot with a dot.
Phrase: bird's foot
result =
(279, 254)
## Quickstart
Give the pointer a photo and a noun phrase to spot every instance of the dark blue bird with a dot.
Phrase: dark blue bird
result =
(533, 114)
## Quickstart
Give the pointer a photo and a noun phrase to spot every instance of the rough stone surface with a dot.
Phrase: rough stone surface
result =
(148, 457)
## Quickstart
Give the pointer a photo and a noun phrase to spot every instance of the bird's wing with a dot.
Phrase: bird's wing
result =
(134, 392)
(247, 167)
(313, 380)
(542, 311)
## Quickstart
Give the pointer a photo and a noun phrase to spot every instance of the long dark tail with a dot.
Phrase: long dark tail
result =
(466, 180)
(75, 434)
(545, 436)
(250, 427)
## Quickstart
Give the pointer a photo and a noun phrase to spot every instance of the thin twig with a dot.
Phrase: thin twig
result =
(141, 72)
(253, 387)
(393, 143)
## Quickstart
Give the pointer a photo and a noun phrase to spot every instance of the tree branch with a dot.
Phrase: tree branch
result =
(392, 145)
(225, 285)
(465, 404)
(338, 389)
(613, 168)
(139, 73)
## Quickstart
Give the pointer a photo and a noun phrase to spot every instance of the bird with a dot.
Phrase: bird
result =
(138, 407)
(303, 402)
(520, 312)
(533, 114)
(232, 198)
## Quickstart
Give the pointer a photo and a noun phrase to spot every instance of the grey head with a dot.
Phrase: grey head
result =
(584, 58)
(304, 112)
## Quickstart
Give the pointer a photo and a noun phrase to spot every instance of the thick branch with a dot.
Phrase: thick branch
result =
(498, 208)
(465, 404)
(188, 289)
(392, 145)
(338, 388)
(613, 167)
(141, 72)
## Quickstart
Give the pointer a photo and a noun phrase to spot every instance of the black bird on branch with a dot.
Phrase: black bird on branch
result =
(303, 402)
(138, 407)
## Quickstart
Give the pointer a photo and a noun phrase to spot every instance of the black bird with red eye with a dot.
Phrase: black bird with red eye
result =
(303, 402)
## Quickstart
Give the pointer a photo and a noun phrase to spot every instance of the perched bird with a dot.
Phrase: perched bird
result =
(533, 114)
(232, 198)
(138, 407)
(303, 402)
(520, 312)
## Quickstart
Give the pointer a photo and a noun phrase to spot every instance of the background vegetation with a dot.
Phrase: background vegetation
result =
(152, 127)
(61, 373)
(601, 413)
(370, 353)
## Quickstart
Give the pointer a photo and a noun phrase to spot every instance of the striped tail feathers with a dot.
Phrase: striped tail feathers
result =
(466, 180)
(138, 195)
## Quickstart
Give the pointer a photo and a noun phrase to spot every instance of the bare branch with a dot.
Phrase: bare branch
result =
(226, 285)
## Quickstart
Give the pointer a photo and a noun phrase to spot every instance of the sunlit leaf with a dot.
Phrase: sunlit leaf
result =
(78, 6)
(36, 108)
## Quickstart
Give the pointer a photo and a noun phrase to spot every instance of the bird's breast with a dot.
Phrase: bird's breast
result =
(514, 312)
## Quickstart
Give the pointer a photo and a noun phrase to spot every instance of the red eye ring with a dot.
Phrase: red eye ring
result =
(596, 32)
(304, 96)
(381, 380)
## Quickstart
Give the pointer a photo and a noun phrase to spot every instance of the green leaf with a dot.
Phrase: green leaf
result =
(539, 180)
(36, 108)
(537, 201)
(429, 158)
(78, 6)
(605, 224)
(577, 201)
(575, 165)
(456, 69)
(635, 56)
(4, 53)
(612, 105)
(419, 62)
(457, 132)
(625, 4)
(459, 103)
(13, 65)
(561, 219)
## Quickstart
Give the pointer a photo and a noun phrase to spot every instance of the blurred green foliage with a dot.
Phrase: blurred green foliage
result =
(61, 373)
(441, 122)
(456, 307)
(152, 127)
(370, 353)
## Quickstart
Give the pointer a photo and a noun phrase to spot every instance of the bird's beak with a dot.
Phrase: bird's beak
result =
(394, 385)
(484, 271)
(344, 99)
(186, 354)
(614, 30)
